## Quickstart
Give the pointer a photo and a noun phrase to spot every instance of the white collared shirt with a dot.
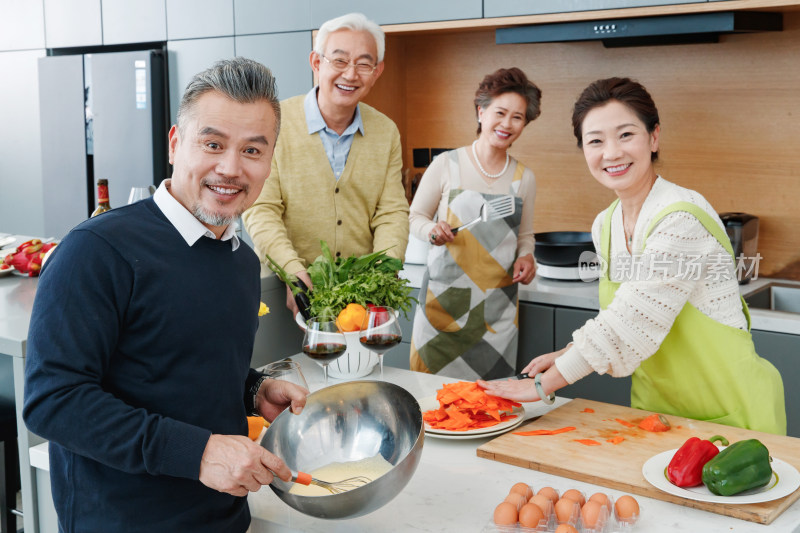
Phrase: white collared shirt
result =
(185, 222)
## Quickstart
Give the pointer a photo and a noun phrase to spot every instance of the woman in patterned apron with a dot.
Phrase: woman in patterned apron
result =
(671, 314)
(466, 323)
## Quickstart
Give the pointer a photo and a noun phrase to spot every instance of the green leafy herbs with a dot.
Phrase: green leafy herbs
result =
(371, 278)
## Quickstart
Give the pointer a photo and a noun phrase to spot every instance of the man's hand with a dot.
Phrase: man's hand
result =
(275, 395)
(290, 303)
(236, 465)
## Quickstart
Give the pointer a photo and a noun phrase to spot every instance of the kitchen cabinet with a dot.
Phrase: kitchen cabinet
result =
(783, 351)
(21, 208)
(286, 54)
(594, 386)
(187, 58)
(398, 357)
(271, 16)
(506, 8)
(536, 332)
(194, 19)
(21, 26)
(70, 23)
(134, 22)
(397, 12)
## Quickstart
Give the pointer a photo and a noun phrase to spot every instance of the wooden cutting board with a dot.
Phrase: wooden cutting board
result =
(619, 466)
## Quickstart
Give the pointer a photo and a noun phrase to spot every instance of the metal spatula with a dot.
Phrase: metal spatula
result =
(492, 210)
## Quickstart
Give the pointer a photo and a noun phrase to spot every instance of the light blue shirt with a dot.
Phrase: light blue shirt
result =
(336, 146)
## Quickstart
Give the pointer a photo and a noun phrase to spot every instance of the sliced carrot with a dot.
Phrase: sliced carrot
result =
(544, 431)
(464, 406)
(588, 442)
(625, 423)
(615, 440)
(655, 422)
(588, 410)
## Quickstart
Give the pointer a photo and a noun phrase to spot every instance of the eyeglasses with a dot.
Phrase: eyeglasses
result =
(340, 65)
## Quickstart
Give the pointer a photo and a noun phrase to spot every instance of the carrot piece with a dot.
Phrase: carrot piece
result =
(655, 422)
(625, 423)
(615, 440)
(254, 426)
(588, 442)
(588, 410)
(464, 406)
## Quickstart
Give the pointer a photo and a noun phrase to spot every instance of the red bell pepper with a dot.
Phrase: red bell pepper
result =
(686, 467)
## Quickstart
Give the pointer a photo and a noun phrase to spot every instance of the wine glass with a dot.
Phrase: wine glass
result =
(380, 331)
(323, 342)
(139, 193)
(286, 370)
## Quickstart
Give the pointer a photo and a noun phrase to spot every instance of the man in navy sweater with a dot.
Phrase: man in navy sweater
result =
(142, 331)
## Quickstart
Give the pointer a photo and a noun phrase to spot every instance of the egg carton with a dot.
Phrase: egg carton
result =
(606, 523)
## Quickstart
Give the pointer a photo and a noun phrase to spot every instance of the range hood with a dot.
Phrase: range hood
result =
(646, 31)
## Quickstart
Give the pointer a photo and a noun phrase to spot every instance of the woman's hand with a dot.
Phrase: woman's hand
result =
(441, 234)
(524, 269)
(544, 362)
(524, 390)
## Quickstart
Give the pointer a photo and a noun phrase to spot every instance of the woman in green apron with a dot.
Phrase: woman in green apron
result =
(670, 310)
(466, 323)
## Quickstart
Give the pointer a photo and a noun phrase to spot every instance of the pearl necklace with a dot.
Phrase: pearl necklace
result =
(480, 167)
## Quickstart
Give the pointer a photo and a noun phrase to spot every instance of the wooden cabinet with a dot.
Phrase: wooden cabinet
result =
(507, 8)
(134, 22)
(398, 12)
(286, 54)
(195, 19)
(70, 23)
(783, 351)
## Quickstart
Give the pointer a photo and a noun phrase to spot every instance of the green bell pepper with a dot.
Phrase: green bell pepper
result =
(741, 466)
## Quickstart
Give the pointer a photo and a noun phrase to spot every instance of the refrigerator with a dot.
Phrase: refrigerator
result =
(102, 115)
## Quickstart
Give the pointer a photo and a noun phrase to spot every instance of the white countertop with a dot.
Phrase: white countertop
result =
(453, 490)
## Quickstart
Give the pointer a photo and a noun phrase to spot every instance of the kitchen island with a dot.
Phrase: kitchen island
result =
(453, 490)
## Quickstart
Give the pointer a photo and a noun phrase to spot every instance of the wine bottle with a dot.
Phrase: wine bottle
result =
(102, 198)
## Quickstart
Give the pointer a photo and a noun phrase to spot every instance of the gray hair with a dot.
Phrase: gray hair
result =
(240, 79)
(354, 22)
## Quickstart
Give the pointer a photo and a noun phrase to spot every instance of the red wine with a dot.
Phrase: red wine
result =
(380, 343)
(325, 352)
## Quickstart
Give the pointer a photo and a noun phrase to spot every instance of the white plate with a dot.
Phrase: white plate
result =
(785, 480)
(7, 272)
(430, 403)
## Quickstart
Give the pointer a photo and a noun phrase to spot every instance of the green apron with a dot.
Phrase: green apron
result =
(703, 370)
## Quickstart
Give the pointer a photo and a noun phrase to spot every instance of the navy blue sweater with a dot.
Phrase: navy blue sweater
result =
(138, 350)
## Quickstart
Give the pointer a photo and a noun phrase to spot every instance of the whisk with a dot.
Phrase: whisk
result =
(334, 487)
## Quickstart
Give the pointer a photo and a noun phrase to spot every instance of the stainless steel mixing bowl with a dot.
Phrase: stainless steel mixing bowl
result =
(349, 422)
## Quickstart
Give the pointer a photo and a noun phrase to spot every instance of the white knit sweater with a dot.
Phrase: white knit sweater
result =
(686, 264)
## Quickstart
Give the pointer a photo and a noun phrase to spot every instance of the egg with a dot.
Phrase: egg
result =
(574, 495)
(543, 502)
(627, 508)
(524, 489)
(602, 499)
(566, 528)
(517, 499)
(530, 515)
(505, 514)
(550, 493)
(565, 509)
(590, 513)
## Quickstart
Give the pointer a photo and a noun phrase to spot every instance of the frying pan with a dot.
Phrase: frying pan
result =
(562, 248)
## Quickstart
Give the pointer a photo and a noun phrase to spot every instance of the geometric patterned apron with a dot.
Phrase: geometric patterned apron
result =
(466, 325)
(703, 369)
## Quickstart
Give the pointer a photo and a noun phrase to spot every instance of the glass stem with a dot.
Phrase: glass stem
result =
(325, 373)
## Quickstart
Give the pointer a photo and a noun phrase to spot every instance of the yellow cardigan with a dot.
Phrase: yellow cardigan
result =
(302, 202)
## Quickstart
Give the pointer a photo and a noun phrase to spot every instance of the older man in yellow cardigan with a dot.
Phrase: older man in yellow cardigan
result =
(336, 170)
